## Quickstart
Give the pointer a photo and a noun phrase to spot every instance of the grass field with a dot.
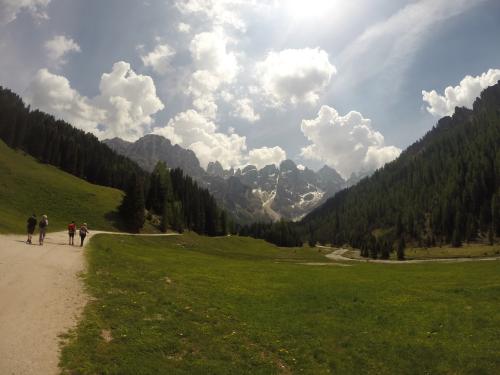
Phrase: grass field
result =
(27, 186)
(197, 305)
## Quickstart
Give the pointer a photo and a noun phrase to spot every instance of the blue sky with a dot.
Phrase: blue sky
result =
(245, 81)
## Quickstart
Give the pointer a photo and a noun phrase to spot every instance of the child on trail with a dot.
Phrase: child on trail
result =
(42, 225)
(31, 225)
(83, 233)
(71, 232)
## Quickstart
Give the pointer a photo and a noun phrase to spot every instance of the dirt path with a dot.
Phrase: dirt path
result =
(41, 297)
(338, 255)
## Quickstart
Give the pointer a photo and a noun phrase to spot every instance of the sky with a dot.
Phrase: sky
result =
(345, 83)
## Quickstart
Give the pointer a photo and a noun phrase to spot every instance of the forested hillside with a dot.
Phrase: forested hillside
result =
(57, 143)
(442, 189)
(169, 194)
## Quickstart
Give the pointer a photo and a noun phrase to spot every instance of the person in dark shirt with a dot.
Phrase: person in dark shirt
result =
(83, 233)
(30, 227)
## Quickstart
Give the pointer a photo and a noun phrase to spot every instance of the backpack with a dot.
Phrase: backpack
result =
(72, 228)
(43, 223)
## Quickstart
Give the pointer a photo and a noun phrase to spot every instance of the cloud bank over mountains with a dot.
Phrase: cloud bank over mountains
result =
(217, 76)
(347, 143)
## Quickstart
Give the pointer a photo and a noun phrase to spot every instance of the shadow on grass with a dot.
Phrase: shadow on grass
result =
(113, 217)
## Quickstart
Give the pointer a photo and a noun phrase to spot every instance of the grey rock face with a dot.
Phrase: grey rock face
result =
(151, 148)
(249, 194)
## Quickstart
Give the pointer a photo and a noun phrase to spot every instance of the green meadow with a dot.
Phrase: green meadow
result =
(27, 186)
(197, 305)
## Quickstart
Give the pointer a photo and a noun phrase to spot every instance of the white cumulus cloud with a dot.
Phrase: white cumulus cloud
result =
(243, 108)
(130, 101)
(53, 94)
(219, 12)
(214, 66)
(209, 52)
(159, 58)
(194, 131)
(58, 47)
(184, 27)
(462, 95)
(124, 107)
(9, 9)
(347, 143)
(260, 157)
(295, 75)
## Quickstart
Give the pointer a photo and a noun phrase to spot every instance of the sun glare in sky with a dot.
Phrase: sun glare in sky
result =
(308, 9)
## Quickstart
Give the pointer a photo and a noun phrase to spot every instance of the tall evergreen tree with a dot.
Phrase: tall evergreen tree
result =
(401, 248)
(132, 209)
(495, 214)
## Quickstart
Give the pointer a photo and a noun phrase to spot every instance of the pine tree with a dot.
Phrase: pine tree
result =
(311, 241)
(456, 239)
(385, 250)
(495, 214)
(373, 247)
(223, 223)
(399, 225)
(167, 217)
(491, 237)
(401, 248)
(132, 208)
(177, 222)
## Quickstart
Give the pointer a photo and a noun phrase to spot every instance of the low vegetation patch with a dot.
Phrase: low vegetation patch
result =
(196, 305)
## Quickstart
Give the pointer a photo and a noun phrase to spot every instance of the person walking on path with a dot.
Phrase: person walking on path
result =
(71, 232)
(42, 226)
(83, 233)
(31, 225)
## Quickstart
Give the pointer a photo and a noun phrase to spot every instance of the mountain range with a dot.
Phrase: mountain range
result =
(271, 193)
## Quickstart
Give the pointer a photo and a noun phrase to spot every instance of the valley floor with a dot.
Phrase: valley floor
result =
(198, 305)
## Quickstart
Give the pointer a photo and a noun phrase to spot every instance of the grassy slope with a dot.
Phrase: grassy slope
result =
(27, 186)
(197, 305)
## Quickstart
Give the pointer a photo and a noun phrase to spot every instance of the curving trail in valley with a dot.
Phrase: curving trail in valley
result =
(338, 255)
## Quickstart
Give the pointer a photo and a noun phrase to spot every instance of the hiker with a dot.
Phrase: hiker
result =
(31, 225)
(42, 226)
(83, 233)
(71, 232)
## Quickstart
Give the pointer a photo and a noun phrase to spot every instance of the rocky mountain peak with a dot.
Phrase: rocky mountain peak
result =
(288, 165)
(249, 193)
(215, 169)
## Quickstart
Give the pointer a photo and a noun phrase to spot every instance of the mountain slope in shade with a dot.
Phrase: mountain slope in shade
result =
(445, 188)
(249, 194)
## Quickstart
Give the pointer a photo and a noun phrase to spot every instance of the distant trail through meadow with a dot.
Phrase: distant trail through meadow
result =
(41, 297)
(338, 255)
